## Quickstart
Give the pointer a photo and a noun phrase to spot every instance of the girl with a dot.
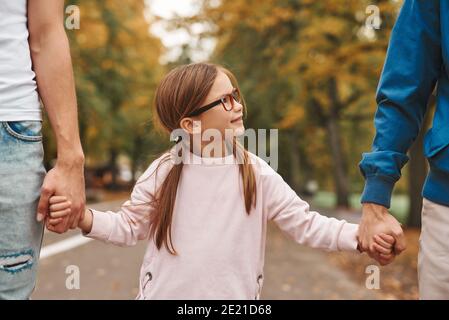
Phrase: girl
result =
(206, 217)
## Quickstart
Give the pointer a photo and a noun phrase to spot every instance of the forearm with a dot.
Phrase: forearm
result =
(52, 65)
(411, 70)
(123, 228)
(327, 233)
(313, 229)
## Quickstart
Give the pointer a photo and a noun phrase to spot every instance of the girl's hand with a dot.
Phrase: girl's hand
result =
(384, 245)
(59, 208)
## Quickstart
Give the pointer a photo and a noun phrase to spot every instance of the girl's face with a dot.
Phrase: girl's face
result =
(217, 117)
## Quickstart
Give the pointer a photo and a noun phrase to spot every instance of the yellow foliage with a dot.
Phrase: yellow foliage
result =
(295, 114)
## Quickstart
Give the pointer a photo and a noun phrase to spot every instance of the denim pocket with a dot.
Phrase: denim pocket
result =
(30, 131)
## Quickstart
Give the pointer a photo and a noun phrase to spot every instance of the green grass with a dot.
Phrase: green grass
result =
(399, 203)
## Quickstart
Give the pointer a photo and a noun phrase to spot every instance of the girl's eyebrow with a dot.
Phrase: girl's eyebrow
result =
(224, 94)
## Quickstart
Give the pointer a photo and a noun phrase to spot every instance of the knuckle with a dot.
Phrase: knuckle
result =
(45, 190)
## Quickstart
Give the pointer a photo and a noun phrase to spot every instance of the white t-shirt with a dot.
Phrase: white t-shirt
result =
(19, 99)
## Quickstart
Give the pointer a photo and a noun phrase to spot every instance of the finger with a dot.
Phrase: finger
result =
(371, 247)
(42, 207)
(74, 223)
(67, 222)
(60, 227)
(401, 244)
(363, 247)
(57, 199)
(386, 256)
(80, 216)
(63, 226)
(79, 212)
(71, 220)
(387, 238)
(381, 249)
(385, 261)
(53, 228)
(54, 222)
(382, 242)
(60, 213)
(60, 206)
(363, 244)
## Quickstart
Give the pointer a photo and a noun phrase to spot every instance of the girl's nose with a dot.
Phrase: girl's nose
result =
(237, 106)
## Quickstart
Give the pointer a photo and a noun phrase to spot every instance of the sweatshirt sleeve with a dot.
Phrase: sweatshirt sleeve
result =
(411, 69)
(306, 227)
(132, 222)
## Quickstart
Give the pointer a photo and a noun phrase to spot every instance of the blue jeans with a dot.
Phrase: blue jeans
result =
(21, 176)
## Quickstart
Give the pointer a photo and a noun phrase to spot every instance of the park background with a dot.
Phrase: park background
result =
(308, 68)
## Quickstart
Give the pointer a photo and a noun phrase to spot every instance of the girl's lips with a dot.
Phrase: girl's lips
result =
(237, 119)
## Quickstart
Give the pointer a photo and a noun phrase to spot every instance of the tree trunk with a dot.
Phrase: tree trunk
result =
(339, 163)
(83, 125)
(136, 155)
(113, 167)
(295, 164)
(334, 136)
(418, 171)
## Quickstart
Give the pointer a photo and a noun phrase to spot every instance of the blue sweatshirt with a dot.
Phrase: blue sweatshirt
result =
(417, 59)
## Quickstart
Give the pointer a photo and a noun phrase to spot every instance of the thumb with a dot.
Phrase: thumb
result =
(400, 244)
(42, 207)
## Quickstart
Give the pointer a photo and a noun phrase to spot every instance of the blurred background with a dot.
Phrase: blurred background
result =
(308, 68)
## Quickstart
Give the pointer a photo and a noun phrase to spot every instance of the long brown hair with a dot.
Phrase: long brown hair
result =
(181, 91)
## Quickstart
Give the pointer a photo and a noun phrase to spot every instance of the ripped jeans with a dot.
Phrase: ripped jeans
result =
(21, 176)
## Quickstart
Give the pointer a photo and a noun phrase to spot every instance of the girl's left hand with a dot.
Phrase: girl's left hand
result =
(59, 208)
(384, 245)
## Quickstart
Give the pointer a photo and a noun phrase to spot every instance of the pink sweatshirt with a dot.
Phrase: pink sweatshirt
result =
(220, 247)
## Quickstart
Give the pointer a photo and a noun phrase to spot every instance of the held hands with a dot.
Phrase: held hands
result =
(377, 222)
(65, 178)
(59, 210)
(383, 246)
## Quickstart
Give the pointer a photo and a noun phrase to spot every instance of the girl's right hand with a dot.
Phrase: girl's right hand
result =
(59, 208)
(384, 245)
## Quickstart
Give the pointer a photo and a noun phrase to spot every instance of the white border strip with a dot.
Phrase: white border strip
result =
(64, 245)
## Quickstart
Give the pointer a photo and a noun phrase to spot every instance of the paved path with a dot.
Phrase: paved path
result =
(298, 272)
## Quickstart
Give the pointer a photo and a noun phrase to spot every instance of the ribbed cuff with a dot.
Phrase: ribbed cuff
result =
(101, 226)
(378, 189)
(347, 240)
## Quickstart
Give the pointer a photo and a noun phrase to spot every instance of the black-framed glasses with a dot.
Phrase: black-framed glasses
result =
(227, 101)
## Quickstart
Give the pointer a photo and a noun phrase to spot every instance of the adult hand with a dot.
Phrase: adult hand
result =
(65, 179)
(376, 220)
